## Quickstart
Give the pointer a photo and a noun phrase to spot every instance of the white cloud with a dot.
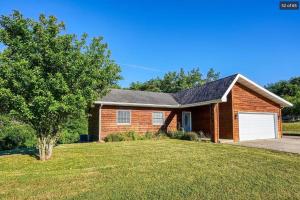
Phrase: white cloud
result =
(153, 69)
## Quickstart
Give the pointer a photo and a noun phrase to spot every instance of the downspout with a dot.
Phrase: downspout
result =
(100, 121)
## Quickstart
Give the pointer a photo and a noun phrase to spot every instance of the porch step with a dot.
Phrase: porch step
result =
(225, 141)
(205, 139)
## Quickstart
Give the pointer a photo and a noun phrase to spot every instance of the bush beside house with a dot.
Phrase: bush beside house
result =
(132, 136)
(15, 134)
(72, 129)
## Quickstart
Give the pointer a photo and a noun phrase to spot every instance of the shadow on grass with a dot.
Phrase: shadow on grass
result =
(292, 133)
(33, 152)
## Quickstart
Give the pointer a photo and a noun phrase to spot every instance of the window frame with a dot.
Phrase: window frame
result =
(163, 118)
(117, 117)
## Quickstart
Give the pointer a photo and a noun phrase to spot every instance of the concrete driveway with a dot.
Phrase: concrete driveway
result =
(287, 144)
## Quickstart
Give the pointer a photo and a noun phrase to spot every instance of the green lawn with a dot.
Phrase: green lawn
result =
(152, 169)
(291, 128)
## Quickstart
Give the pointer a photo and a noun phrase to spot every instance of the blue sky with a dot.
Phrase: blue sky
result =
(149, 38)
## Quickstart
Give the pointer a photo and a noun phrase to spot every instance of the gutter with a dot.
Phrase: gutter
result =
(202, 103)
(158, 105)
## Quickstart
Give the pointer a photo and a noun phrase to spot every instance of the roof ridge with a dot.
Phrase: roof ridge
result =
(184, 96)
(171, 93)
(197, 86)
(222, 78)
(141, 91)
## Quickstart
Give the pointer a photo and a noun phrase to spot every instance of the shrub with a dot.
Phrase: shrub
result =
(161, 135)
(131, 135)
(14, 134)
(148, 135)
(192, 136)
(72, 129)
(68, 137)
(175, 134)
(181, 135)
(117, 137)
(202, 134)
(114, 137)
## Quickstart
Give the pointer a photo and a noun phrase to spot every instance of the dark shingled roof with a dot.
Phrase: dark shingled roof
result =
(144, 97)
(210, 91)
(207, 92)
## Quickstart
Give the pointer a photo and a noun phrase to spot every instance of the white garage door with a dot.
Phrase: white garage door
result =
(253, 126)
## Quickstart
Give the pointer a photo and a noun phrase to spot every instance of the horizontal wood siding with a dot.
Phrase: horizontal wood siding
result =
(240, 99)
(200, 118)
(226, 118)
(141, 120)
(246, 100)
(215, 122)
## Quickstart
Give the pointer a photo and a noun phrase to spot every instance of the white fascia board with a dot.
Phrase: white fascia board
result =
(158, 105)
(201, 103)
(284, 102)
(224, 97)
(267, 92)
(136, 104)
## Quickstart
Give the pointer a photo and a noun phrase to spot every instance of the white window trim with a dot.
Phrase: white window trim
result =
(158, 124)
(117, 114)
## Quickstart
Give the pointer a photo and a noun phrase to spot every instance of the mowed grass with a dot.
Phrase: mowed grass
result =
(291, 128)
(153, 169)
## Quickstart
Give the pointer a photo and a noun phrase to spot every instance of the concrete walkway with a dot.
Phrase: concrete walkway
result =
(287, 144)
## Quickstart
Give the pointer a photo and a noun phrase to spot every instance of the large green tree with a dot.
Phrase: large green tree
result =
(290, 90)
(47, 76)
(175, 81)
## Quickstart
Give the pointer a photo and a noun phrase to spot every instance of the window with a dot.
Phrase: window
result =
(157, 118)
(123, 117)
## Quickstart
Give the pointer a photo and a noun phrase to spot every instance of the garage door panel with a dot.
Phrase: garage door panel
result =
(254, 126)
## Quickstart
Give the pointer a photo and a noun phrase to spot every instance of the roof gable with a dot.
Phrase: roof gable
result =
(212, 92)
(258, 89)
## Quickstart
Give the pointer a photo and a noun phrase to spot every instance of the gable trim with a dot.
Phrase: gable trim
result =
(224, 97)
(264, 92)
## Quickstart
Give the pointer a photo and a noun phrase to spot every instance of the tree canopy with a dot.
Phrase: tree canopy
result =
(175, 81)
(289, 90)
(46, 75)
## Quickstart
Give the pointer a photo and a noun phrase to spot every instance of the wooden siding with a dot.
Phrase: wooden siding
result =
(246, 100)
(200, 118)
(226, 118)
(240, 99)
(141, 120)
(215, 123)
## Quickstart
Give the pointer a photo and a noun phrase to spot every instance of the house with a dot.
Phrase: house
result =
(233, 107)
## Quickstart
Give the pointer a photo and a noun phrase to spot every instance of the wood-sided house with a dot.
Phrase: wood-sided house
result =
(233, 107)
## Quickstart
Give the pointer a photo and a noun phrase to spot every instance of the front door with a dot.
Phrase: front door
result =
(187, 121)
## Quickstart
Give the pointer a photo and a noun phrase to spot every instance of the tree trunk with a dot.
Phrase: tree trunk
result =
(46, 144)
